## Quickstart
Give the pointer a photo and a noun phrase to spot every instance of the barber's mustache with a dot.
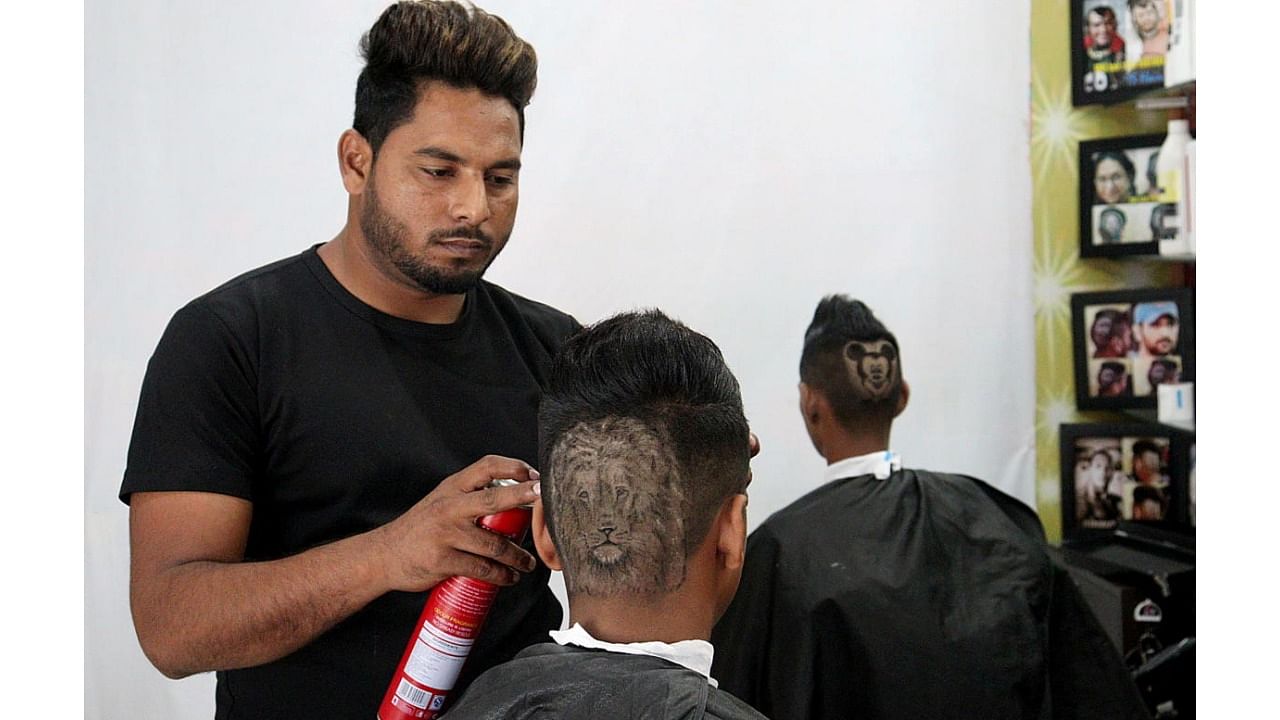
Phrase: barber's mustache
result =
(461, 233)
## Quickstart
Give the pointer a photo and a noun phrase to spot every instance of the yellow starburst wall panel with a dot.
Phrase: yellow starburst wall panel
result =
(1056, 131)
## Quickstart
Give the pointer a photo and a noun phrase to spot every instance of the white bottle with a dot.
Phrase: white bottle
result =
(1170, 176)
(1189, 199)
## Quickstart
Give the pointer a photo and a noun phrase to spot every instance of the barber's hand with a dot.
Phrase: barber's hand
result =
(438, 537)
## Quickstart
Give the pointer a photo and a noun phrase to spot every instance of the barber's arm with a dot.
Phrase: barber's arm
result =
(197, 606)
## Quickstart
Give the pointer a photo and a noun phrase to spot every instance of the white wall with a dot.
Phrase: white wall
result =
(729, 162)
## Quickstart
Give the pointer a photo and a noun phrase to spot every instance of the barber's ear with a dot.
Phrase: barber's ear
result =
(355, 161)
(731, 541)
(903, 397)
(542, 538)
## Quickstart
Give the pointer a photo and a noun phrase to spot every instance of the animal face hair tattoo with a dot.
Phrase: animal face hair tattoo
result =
(617, 509)
(873, 368)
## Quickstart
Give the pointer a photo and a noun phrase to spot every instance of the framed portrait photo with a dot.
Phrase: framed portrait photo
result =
(1130, 477)
(1119, 48)
(1126, 343)
(1119, 210)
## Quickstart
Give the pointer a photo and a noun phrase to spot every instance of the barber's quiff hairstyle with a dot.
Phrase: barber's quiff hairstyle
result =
(641, 406)
(837, 321)
(419, 41)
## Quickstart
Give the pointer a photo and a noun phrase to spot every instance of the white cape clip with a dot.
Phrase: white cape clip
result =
(889, 463)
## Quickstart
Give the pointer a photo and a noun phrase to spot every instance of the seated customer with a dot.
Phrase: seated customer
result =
(891, 593)
(644, 450)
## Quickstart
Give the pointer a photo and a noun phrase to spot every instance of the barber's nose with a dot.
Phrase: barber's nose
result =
(469, 203)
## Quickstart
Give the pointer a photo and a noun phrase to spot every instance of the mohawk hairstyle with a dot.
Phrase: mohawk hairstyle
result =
(832, 361)
(642, 437)
(417, 41)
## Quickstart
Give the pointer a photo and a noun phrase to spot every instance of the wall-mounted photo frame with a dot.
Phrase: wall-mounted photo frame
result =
(1127, 342)
(1129, 477)
(1119, 48)
(1119, 211)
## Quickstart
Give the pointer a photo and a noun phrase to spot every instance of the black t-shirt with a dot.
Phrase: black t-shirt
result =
(333, 418)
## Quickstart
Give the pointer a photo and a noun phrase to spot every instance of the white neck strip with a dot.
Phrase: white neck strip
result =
(882, 464)
(693, 654)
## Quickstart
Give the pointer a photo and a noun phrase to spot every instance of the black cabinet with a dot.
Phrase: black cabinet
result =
(1144, 596)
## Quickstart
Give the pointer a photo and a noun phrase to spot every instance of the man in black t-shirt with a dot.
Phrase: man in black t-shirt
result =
(314, 439)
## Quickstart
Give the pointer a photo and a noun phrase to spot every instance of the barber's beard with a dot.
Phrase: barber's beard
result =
(390, 239)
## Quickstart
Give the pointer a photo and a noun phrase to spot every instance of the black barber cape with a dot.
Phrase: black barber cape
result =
(567, 683)
(923, 595)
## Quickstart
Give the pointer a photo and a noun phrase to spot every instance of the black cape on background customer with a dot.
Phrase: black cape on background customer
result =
(922, 595)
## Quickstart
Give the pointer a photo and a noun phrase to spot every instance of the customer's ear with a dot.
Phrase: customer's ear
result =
(542, 538)
(731, 538)
(903, 397)
(731, 549)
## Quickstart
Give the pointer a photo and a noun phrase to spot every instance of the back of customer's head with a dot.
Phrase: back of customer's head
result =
(642, 441)
(853, 360)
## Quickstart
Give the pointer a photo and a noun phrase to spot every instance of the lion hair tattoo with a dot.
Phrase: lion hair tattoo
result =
(618, 499)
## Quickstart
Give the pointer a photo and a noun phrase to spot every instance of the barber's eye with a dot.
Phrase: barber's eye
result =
(583, 495)
(438, 172)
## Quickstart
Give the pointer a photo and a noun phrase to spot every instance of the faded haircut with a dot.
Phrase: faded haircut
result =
(642, 437)
(845, 339)
(415, 42)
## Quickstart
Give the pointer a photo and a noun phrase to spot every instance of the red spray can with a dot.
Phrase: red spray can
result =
(450, 622)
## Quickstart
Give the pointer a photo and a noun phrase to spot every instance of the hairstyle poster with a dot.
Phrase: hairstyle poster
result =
(1119, 48)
